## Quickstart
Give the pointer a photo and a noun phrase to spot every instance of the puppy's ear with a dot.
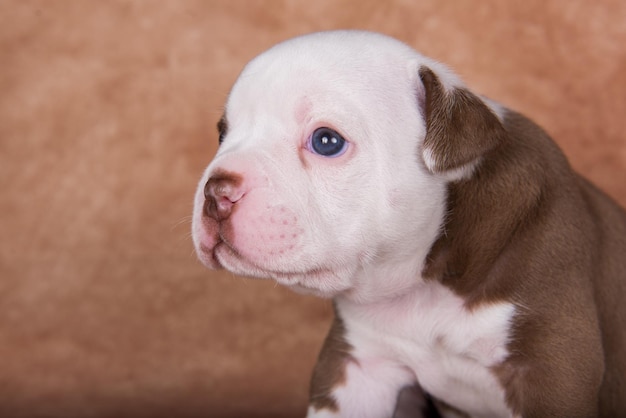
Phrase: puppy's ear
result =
(460, 128)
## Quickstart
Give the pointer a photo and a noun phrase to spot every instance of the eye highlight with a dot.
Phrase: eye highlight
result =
(327, 143)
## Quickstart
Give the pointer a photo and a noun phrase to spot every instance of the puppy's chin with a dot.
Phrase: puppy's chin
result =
(324, 294)
(207, 257)
(320, 282)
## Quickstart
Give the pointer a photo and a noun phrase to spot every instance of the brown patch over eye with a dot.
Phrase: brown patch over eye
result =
(222, 128)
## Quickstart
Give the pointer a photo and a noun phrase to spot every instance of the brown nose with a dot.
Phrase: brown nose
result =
(221, 192)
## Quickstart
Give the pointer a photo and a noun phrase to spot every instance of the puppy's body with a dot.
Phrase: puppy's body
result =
(462, 252)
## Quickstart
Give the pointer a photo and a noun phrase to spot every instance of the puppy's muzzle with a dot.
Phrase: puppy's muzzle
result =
(221, 192)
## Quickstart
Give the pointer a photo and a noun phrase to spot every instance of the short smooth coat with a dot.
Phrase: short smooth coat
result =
(464, 257)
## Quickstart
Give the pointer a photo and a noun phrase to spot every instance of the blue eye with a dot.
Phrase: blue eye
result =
(327, 143)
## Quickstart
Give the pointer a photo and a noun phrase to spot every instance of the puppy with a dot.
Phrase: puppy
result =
(464, 256)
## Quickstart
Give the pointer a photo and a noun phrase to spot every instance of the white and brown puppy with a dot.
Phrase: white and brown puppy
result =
(463, 254)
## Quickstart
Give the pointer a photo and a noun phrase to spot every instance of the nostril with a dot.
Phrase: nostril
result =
(207, 190)
(221, 192)
(223, 206)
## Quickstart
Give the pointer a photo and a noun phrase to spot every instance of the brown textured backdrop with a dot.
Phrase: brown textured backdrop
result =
(107, 115)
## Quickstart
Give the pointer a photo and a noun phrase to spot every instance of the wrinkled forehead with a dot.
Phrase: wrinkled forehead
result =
(315, 70)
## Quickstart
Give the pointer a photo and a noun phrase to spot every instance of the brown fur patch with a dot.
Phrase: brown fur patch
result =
(520, 230)
(329, 371)
(222, 128)
(460, 128)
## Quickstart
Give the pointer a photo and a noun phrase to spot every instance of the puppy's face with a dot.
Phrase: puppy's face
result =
(319, 181)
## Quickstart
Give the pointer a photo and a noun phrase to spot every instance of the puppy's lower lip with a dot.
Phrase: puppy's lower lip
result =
(210, 251)
(222, 246)
(228, 250)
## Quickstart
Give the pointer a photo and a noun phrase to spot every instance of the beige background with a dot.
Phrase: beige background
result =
(107, 115)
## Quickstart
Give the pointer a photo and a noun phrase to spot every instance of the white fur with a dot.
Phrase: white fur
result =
(373, 212)
(428, 336)
(448, 348)
(357, 227)
(372, 388)
(459, 173)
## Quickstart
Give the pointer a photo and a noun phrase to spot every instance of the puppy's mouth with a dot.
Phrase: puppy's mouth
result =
(318, 281)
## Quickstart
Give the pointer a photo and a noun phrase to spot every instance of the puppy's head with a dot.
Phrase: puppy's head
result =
(335, 150)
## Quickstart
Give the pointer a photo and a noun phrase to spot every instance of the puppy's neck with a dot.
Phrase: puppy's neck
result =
(393, 275)
(383, 284)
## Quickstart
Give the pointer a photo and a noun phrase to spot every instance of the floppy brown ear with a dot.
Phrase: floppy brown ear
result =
(460, 127)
